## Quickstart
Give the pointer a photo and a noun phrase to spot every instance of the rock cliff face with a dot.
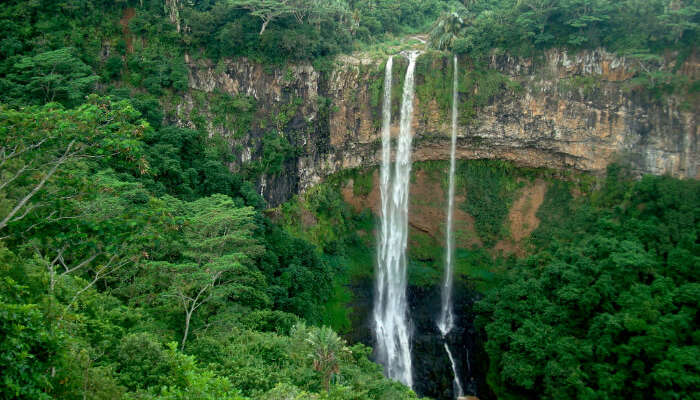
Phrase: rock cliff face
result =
(559, 111)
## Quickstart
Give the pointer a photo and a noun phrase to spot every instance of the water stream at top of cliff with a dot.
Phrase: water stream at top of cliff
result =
(391, 326)
(445, 322)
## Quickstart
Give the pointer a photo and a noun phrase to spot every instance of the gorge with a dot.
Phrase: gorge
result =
(349, 199)
(564, 112)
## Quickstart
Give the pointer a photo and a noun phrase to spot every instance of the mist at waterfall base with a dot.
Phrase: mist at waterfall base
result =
(427, 345)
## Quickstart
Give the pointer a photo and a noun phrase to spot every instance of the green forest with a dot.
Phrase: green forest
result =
(135, 264)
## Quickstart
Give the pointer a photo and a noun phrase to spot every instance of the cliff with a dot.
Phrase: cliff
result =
(560, 111)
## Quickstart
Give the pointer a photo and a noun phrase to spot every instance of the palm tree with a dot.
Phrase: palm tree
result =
(327, 349)
(446, 30)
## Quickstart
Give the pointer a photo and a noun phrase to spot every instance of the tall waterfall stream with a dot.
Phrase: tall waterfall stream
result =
(446, 321)
(391, 326)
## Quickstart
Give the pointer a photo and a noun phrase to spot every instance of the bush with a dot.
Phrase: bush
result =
(28, 352)
(606, 310)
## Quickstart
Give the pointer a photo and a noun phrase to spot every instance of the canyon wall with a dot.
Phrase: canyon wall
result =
(563, 111)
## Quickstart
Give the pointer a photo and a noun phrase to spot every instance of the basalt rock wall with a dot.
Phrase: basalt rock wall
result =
(558, 110)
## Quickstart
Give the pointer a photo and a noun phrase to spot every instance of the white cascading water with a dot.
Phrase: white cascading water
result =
(456, 383)
(446, 320)
(384, 185)
(391, 308)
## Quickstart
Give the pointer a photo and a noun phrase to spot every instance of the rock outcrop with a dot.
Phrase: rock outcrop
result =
(558, 111)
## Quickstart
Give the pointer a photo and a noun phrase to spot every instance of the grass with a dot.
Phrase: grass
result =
(478, 267)
(391, 45)
(336, 312)
(363, 183)
(434, 77)
(490, 188)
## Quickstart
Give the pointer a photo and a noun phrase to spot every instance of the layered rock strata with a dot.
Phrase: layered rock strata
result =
(561, 111)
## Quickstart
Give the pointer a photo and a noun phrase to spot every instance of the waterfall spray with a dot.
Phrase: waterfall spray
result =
(446, 320)
(391, 307)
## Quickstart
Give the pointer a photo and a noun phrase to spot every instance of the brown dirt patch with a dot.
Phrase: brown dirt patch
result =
(465, 233)
(426, 207)
(308, 219)
(359, 203)
(128, 14)
(428, 213)
(426, 210)
(522, 218)
(275, 214)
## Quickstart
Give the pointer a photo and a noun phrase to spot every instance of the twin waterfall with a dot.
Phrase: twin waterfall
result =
(391, 319)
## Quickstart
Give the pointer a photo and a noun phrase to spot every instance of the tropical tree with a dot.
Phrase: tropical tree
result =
(50, 200)
(680, 18)
(39, 144)
(220, 248)
(326, 350)
(27, 347)
(447, 30)
(266, 10)
(56, 75)
(217, 226)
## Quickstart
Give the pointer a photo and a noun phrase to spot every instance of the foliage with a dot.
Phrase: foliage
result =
(373, 18)
(184, 379)
(270, 30)
(220, 246)
(435, 74)
(490, 190)
(363, 184)
(276, 150)
(262, 363)
(99, 252)
(607, 310)
(52, 76)
(276, 30)
(40, 146)
(185, 163)
(327, 348)
(447, 30)
(122, 234)
(477, 89)
(27, 349)
(321, 217)
(522, 26)
(235, 113)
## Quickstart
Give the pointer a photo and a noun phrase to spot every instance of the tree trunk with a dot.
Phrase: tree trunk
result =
(327, 381)
(38, 187)
(188, 316)
(264, 25)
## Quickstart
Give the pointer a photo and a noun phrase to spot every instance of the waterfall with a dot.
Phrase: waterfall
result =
(391, 308)
(446, 320)
(457, 385)
(385, 179)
